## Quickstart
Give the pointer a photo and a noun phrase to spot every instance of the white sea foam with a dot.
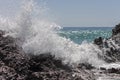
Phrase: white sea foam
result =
(39, 36)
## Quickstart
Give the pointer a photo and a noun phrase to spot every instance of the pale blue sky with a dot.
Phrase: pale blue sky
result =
(74, 12)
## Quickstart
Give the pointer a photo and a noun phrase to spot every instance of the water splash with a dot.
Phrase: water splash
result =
(39, 36)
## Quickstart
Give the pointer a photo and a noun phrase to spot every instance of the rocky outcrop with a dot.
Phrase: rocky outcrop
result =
(98, 41)
(111, 68)
(17, 65)
(110, 46)
(116, 30)
(111, 54)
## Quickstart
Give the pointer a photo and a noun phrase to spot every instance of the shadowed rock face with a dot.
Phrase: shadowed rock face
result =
(116, 30)
(16, 65)
(98, 41)
(111, 46)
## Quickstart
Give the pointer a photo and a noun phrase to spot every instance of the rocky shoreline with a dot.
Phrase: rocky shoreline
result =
(15, 64)
(110, 46)
(111, 54)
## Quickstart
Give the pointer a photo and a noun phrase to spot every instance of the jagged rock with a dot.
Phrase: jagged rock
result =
(116, 30)
(46, 67)
(85, 66)
(98, 41)
(110, 46)
(111, 68)
(17, 65)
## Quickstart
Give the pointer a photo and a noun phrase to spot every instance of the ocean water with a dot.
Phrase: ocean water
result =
(37, 35)
(88, 34)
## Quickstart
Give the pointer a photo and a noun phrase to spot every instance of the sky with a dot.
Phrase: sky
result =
(74, 13)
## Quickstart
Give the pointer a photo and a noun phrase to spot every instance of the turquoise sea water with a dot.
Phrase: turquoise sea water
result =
(80, 34)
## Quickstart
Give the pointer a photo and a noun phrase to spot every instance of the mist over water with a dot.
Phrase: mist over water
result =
(40, 36)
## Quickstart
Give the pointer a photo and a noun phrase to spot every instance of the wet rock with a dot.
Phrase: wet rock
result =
(116, 30)
(85, 66)
(51, 69)
(1, 33)
(110, 46)
(98, 41)
(17, 65)
(112, 70)
(102, 68)
(51, 75)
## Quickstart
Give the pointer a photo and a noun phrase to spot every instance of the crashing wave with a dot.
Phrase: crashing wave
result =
(39, 36)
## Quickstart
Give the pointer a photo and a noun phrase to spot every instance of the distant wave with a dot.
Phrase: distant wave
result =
(87, 35)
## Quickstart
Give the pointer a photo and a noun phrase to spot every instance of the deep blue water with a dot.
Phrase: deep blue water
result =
(80, 34)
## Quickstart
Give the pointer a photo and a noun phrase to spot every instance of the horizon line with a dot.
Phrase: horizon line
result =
(89, 26)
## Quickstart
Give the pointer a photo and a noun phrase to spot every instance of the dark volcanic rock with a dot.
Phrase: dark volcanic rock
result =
(98, 41)
(116, 30)
(110, 46)
(13, 61)
(16, 65)
(86, 66)
(113, 70)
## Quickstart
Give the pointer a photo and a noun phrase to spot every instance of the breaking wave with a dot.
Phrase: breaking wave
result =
(39, 36)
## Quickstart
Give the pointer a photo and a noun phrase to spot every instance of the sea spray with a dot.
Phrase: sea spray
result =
(39, 36)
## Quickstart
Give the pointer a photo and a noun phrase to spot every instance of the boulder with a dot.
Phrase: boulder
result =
(98, 41)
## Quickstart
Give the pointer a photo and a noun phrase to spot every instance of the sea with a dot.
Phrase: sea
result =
(38, 35)
(85, 34)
